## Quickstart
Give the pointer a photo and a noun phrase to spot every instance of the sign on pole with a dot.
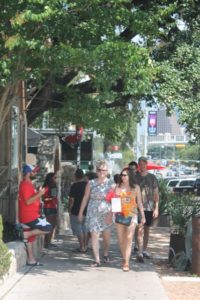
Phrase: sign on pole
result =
(152, 123)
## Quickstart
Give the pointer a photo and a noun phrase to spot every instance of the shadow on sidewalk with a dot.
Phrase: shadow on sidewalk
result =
(64, 258)
(159, 243)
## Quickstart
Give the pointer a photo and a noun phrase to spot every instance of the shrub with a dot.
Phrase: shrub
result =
(181, 209)
(164, 196)
(4, 253)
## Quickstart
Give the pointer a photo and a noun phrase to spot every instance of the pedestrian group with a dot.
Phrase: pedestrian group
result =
(130, 200)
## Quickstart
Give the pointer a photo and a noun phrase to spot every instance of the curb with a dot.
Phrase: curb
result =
(18, 266)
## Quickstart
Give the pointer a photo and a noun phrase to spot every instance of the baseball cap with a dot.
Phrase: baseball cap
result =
(79, 173)
(29, 169)
(143, 158)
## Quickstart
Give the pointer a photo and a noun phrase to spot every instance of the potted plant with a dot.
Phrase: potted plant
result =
(181, 209)
(164, 196)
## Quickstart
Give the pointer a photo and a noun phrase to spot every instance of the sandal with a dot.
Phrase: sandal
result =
(122, 264)
(36, 264)
(140, 258)
(95, 264)
(106, 259)
(125, 268)
(78, 250)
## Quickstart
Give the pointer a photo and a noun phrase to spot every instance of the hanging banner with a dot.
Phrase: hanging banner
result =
(152, 123)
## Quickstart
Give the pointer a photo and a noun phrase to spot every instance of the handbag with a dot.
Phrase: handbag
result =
(120, 219)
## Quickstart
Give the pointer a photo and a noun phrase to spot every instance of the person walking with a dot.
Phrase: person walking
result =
(116, 178)
(90, 174)
(29, 213)
(138, 238)
(133, 166)
(50, 204)
(129, 193)
(76, 194)
(98, 211)
(150, 198)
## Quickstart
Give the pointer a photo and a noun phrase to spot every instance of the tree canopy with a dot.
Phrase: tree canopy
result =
(179, 63)
(92, 62)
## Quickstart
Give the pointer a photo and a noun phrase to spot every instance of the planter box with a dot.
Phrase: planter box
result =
(176, 245)
(196, 245)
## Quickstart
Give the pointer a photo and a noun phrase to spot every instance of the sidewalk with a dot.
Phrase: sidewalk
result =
(178, 285)
(158, 244)
(68, 275)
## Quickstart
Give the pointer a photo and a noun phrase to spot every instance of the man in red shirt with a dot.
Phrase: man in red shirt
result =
(29, 212)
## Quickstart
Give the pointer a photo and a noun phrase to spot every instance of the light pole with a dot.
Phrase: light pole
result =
(161, 152)
(78, 157)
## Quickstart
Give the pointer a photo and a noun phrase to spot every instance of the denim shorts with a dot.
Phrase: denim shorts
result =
(77, 227)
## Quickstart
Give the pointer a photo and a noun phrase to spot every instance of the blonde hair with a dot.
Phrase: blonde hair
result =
(101, 163)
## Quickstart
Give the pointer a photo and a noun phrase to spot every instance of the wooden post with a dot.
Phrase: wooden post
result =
(195, 269)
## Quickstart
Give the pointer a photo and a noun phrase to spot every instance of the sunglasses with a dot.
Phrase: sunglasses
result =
(122, 175)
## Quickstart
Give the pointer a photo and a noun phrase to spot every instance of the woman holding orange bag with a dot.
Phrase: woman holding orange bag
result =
(129, 193)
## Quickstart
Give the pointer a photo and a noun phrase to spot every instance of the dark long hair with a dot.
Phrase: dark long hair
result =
(48, 180)
(131, 177)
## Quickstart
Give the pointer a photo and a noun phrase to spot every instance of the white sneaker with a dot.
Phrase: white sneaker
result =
(146, 254)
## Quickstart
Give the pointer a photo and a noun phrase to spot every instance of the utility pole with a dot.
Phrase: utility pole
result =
(78, 155)
(145, 131)
(138, 152)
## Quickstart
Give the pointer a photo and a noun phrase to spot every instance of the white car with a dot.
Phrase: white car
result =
(172, 183)
(185, 186)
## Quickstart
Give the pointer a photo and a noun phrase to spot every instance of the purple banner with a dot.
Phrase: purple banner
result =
(152, 123)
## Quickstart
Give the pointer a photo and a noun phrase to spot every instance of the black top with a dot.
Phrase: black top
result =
(77, 191)
(91, 175)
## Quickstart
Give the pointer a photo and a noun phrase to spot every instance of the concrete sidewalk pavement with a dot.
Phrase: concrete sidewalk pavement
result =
(67, 275)
(159, 242)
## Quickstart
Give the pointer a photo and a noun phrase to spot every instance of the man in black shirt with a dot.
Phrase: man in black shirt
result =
(76, 194)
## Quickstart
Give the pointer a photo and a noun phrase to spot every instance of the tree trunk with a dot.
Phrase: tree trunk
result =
(8, 96)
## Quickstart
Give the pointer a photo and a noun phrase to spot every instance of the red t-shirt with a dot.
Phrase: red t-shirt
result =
(52, 203)
(28, 213)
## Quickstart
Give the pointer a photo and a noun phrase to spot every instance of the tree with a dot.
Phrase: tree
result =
(179, 62)
(72, 56)
(190, 152)
(89, 60)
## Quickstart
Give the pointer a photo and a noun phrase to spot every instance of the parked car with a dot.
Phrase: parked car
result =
(197, 187)
(185, 186)
(171, 183)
